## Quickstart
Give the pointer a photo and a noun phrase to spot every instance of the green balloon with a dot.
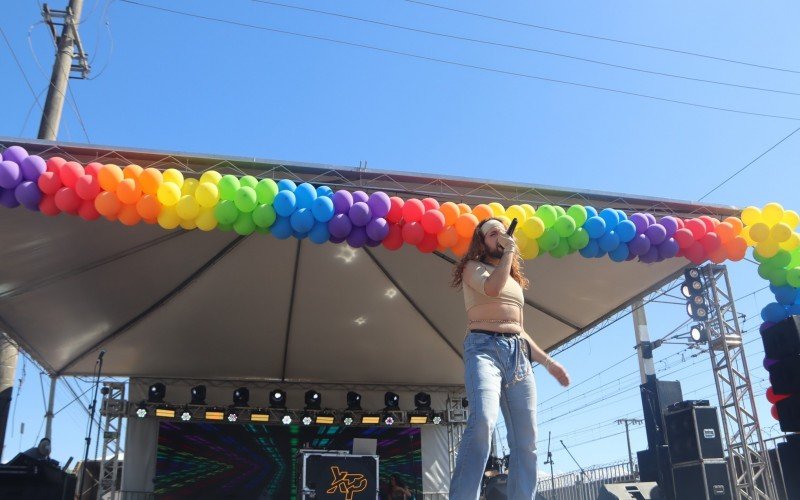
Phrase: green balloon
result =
(795, 260)
(579, 239)
(266, 189)
(777, 276)
(548, 215)
(793, 277)
(560, 210)
(560, 250)
(780, 259)
(249, 181)
(244, 224)
(246, 199)
(264, 216)
(225, 227)
(262, 230)
(549, 240)
(226, 212)
(564, 226)
(578, 214)
(228, 186)
(764, 270)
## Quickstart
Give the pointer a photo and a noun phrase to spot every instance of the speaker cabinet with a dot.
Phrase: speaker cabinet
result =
(639, 491)
(784, 375)
(693, 434)
(789, 454)
(656, 397)
(702, 480)
(782, 339)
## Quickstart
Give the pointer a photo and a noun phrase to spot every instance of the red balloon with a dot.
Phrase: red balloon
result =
(718, 256)
(680, 222)
(710, 242)
(684, 238)
(88, 210)
(695, 253)
(774, 398)
(93, 168)
(49, 182)
(428, 244)
(697, 227)
(87, 187)
(70, 172)
(430, 204)
(413, 233)
(413, 210)
(709, 222)
(67, 200)
(54, 164)
(395, 210)
(48, 205)
(433, 221)
(394, 239)
(774, 412)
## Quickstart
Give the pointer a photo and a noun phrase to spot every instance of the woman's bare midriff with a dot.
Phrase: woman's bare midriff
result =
(495, 313)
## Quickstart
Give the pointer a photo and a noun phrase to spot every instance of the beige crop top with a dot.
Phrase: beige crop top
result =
(474, 278)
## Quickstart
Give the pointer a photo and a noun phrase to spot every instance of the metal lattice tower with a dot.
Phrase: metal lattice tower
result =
(748, 462)
(113, 409)
(456, 423)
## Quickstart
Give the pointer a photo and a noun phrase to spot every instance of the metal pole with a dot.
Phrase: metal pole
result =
(56, 93)
(627, 421)
(647, 368)
(8, 367)
(48, 430)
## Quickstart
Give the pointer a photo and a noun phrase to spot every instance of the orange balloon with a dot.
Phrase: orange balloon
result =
(128, 191)
(482, 212)
(736, 223)
(109, 177)
(718, 256)
(736, 248)
(466, 224)
(128, 215)
(132, 172)
(150, 221)
(450, 211)
(464, 208)
(150, 179)
(725, 231)
(148, 207)
(448, 237)
(107, 204)
(461, 247)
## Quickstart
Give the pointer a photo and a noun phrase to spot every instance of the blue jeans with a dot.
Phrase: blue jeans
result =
(498, 376)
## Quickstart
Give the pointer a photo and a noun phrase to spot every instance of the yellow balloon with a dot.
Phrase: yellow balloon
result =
(772, 213)
(189, 186)
(497, 209)
(188, 224)
(505, 220)
(168, 218)
(516, 212)
(780, 232)
(531, 250)
(746, 235)
(168, 194)
(533, 227)
(791, 243)
(791, 218)
(522, 241)
(206, 220)
(529, 210)
(211, 176)
(759, 232)
(767, 249)
(173, 176)
(750, 216)
(187, 208)
(207, 194)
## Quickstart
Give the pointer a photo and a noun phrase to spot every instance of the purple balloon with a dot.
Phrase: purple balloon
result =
(650, 257)
(764, 326)
(670, 224)
(379, 203)
(32, 167)
(656, 233)
(377, 229)
(668, 249)
(768, 362)
(342, 201)
(340, 226)
(640, 245)
(650, 218)
(630, 256)
(15, 154)
(7, 198)
(334, 239)
(28, 194)
(640, 221)
(360, 196)
(360, 214)
(357, 237)
(10, 175)
(372, 243)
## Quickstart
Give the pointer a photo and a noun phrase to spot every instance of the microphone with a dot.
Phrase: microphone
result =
(512, 227)
(102, 353)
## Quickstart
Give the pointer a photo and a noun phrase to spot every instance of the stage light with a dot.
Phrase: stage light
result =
(348, 420)
(353, 401)
(418, 418)
(691, 287)
(198, 395)
(156, 393)
(422, 400)
(277, 399)
(259, 416)
(307, 420)
(437, 420)
(313, 400)
(286, 420)
(141, 411)
(370, 419)
(232, 416)
(698, 333)
(241, 396)
(389, 420)
(165, 412)
(692, 273)
(185, 415)
(324, 419)
(464, 402)
(697, 313)
(214, 415)
(391, 400)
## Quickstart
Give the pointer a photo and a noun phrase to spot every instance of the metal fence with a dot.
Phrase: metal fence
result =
(586, 484)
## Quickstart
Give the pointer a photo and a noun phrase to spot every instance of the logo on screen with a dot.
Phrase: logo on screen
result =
(347, 483)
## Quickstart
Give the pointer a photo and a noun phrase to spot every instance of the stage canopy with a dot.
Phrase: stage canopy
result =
(217, 305)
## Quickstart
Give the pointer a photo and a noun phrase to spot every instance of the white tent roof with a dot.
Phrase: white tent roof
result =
(217, 305)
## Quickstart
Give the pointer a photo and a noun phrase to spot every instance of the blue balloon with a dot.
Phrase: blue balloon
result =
(305, 194)
(322, 208)
(281, 228)
(609, 241)
(774, 312)
(590, 211)
(324, 191)
(622, 215)
(785, 295)
(794, 310)
(600, 255)
(619, 254)
(611, 217)
(284, 203)
(299, 236)
(591, 249)
(319, 233)
(626, 230)
(595, 226)
(302, 220)
(286, 185)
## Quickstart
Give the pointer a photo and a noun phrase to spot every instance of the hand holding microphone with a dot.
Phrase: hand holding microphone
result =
(506, 241)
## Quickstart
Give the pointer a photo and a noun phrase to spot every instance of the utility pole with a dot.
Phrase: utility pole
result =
(8, 367)
(626, 421)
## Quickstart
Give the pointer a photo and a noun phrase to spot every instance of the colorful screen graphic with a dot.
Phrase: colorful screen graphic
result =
(202, 460)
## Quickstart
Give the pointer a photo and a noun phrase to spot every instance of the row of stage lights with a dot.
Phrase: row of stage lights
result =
(694, 291)
(277, 412)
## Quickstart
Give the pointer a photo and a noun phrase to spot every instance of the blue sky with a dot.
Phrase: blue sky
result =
(178, 83)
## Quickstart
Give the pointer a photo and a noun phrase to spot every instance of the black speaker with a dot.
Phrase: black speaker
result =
(702, 480)
(693, 434)
(782, 339)
(654, 465)
(496, 487)
(656, 397)
(789, 413)
(789, 454)
(640, 491)
(784, 375)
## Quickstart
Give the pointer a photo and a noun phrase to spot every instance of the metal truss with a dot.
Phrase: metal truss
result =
(456, 414)
(113, 409)
(748, 461)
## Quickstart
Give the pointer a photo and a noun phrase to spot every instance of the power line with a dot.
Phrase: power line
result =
(523, 48)
(459, 64)
(606, 39)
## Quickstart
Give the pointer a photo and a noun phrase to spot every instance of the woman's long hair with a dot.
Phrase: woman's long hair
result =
(477, 251)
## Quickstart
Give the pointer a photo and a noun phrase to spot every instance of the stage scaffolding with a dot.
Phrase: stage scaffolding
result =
(113, 409)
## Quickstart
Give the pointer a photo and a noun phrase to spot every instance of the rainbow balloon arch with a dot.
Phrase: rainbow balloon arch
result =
(132, 195)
